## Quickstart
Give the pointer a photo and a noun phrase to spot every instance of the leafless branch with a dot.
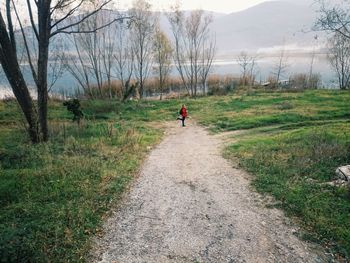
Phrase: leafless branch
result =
(81, 20)
(79, 31)
(35, 77)
(10, 25)
(32, 19)
(69, 13)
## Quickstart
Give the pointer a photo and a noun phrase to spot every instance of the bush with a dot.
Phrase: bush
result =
(74, 107)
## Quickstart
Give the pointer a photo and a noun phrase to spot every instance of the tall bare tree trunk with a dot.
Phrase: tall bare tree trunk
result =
(43, 93)
(44, 40)
(14, 75)
(21, 92)
(142, 29)
(191, 33)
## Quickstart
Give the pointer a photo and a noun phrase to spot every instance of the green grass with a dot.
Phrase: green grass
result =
(292, 145)
(53, 196)
(294, 166)
(263, 109)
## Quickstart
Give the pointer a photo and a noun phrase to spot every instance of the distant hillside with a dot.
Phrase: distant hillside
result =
(266, 25)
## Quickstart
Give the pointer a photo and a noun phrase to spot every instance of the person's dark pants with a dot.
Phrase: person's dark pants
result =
(183, 121)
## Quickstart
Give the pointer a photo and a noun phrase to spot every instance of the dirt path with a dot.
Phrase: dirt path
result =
(190, 205)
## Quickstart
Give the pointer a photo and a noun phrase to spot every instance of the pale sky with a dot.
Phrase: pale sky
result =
(223, 6)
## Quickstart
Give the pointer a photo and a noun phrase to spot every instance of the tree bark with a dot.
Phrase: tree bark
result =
(14, 75)
(44, 40)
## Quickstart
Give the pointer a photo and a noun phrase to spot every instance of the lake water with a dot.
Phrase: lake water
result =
(265, 65)
(295, 65)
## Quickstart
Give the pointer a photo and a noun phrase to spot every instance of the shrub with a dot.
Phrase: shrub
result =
(74, 107)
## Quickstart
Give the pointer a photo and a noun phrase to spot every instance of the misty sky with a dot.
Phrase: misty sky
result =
(224, 6)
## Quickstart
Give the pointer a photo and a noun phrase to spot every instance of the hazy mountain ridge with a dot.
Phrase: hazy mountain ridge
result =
(266, 25)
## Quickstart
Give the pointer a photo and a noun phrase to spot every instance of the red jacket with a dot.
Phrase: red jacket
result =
(183, 112)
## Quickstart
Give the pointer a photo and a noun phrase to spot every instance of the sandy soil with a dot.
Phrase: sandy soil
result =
(190, 205)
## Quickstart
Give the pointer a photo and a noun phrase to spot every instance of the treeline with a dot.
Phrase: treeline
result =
(119, 60)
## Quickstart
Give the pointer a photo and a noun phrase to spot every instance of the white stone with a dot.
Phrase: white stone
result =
(343, 173)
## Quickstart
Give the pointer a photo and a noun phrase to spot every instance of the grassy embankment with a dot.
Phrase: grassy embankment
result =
(54, 195)
(292, 145)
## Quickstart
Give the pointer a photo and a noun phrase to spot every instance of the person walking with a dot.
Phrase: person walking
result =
(184, 114)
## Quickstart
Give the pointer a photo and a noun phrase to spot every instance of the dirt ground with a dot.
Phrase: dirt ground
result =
(189, 204)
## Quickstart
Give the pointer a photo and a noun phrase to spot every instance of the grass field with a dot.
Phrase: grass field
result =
(292, 145)
(257, 109)
(53, 196)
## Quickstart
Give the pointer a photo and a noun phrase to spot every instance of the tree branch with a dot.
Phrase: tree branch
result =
(26, 47)
(63, 29)
(32, 19)
(69, 13)
(61, 4)
(93, 30)
(10, 25)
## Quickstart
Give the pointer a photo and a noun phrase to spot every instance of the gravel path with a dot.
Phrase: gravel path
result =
(190, 205)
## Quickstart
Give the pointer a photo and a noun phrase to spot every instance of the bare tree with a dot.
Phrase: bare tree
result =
(334, 16)
(248, 65)
(142, 26)
(53, 17)
(162, 56)
(191, 35)
(311, 71)
(93, 62)
(90, 45)
(108, 47)
(244, 62)
(176, 19)
(281, 66)
(253, 70)
(208, 54)
(124, 59)
(314, 79)
(339, 58)
(75, 63)
(196, 30)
